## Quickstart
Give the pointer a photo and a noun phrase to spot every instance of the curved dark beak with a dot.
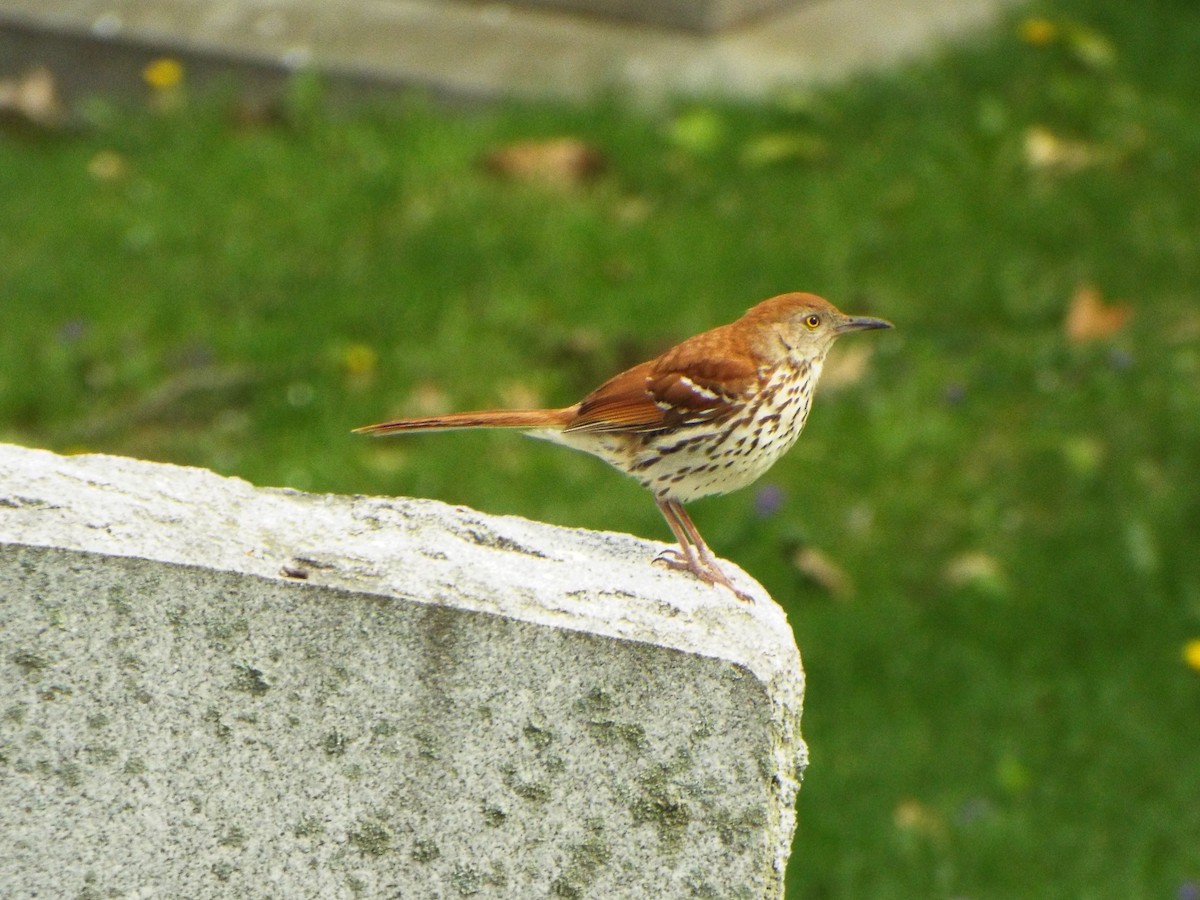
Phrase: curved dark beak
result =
(861, 323)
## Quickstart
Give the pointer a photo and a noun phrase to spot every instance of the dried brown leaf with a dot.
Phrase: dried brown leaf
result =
(1048, 151)
(975, 568)
(33, 97)
(427, 399)
(559, 162)
(823, 571)
(1089, 318)
(919, 818)
(108, 165)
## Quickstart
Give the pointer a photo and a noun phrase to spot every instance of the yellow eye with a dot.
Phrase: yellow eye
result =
(813, 321)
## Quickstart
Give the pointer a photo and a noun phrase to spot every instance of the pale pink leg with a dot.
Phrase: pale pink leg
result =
(694, 555)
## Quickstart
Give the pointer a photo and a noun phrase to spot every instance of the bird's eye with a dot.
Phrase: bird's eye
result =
(812, 321)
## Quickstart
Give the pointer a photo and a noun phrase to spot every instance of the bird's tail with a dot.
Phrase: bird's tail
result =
(492, 418)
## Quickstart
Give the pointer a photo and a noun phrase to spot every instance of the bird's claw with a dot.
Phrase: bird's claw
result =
(709, 574)
(673, 559)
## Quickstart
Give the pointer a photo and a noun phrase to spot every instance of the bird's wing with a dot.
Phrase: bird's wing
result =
(667, 392)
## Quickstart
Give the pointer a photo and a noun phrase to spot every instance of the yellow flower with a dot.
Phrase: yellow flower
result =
(163, 74)
(1191, 653)
(1037, 31)
(107, 165)
(359, 360)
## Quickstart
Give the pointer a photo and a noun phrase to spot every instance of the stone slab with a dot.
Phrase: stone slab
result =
(691, 15)
(469, 51)
(216, 690)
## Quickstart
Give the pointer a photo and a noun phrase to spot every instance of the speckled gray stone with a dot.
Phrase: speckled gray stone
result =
(209, 689)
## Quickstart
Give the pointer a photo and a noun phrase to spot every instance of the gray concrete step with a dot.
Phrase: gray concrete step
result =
(473, 50)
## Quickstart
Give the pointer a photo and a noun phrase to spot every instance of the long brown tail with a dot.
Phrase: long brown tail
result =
(490, 418)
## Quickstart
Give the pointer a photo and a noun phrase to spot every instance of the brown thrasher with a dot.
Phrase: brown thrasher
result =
(708, 416)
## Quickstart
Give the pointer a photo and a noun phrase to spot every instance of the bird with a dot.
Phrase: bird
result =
(708, 416)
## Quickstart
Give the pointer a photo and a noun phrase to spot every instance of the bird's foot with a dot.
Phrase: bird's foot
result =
(706, 570)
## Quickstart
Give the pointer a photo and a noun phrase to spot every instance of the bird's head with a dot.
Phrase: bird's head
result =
(805, 325)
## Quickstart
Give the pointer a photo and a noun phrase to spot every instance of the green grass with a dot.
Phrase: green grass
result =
(244, 292)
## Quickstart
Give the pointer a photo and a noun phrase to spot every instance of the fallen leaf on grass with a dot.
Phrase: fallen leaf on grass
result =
(780, 147)
(1089, 318)
(919, 818)
(1142, 547)
(580, 341)
(107, 165)
(1037, 31)
(1088, 46)
(977, 569)
(258, 112)
(824, 572)
(632, 210)
(427, 399)
(33, 97)
(1048, 151)
(559, 162)
(386, 457)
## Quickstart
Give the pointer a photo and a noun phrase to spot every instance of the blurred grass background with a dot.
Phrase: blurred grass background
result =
(988, 539)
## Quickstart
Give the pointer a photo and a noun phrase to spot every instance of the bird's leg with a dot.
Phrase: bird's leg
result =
(707, 559)
(686, 557)
(694, 555)
(693, 533)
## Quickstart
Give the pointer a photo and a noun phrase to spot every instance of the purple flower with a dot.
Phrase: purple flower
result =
(1121, 360)
(955, 393)
(973, 810)
(72, 331)
(769, 500)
